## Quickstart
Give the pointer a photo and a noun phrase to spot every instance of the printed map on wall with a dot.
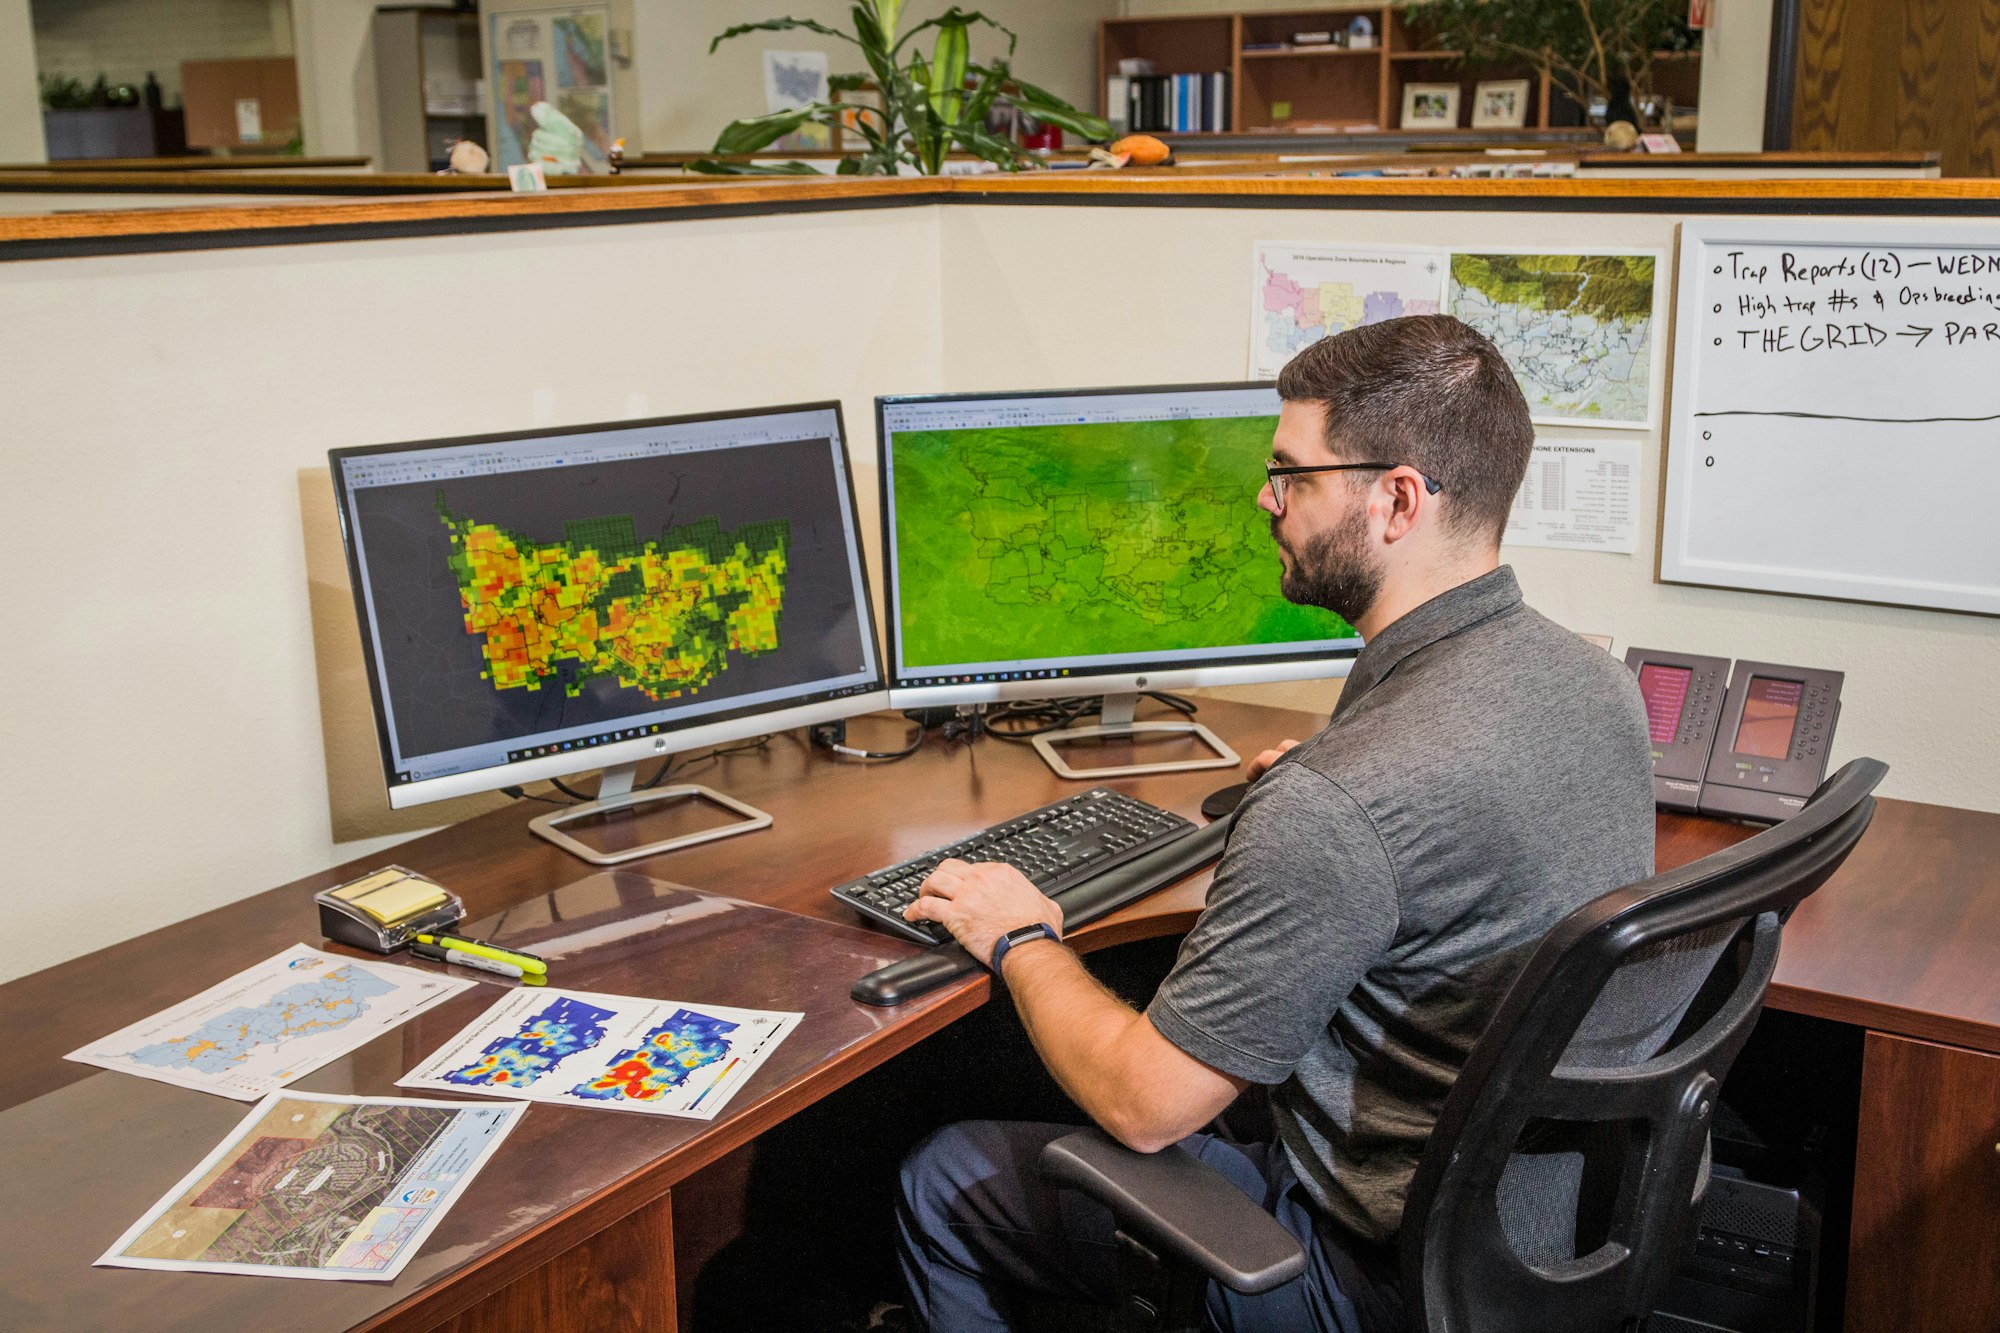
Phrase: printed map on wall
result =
(1577, 330)
(1302, 293)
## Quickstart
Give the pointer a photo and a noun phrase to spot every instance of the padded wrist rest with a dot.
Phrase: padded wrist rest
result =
(1095, 897)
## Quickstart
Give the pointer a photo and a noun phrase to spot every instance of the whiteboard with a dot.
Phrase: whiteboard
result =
(1835, 428)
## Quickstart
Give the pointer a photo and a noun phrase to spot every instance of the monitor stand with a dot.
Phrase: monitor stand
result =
(615, 810)
(1116, 716)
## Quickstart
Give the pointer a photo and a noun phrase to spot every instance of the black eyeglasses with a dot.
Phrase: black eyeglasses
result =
(1275, 476)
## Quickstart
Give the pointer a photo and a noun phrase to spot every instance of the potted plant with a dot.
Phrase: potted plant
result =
(931, 104)
(1594, 50)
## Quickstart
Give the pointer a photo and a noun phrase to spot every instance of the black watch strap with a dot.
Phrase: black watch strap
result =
(1040, 930)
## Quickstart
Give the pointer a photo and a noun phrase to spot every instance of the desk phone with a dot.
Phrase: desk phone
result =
(1753, 750)
(1684, 695)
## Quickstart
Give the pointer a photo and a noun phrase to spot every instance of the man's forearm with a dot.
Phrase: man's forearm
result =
(1105, 1055)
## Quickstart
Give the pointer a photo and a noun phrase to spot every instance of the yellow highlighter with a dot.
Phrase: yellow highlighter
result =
(530, 965)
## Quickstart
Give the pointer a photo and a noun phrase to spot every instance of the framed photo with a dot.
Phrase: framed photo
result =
(1430, 106)
(1500, 104)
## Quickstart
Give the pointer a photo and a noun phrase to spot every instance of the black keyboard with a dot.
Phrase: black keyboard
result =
(1056, 847)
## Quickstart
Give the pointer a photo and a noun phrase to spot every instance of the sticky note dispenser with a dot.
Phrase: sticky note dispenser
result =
(385, 909)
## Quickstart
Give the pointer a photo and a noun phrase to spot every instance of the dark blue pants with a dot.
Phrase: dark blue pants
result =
(979, 1230)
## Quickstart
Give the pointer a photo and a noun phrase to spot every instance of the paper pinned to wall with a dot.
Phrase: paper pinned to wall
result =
(1301, 292)
(1580, 495)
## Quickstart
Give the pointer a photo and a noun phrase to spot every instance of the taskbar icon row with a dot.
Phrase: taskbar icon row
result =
(985, 678)
(583, 742)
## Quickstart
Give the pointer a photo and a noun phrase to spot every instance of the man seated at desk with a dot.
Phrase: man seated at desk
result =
(1484, 773)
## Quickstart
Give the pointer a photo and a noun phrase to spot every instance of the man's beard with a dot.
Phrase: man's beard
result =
(1333, 569)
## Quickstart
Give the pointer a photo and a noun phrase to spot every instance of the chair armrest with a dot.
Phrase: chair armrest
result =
(1180, 1207)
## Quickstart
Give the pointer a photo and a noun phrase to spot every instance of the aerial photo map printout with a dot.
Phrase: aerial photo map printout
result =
(1051, 541)
(575, 1048)
(1302, 293)
(272, 1023)
(1576, 329)
(318, 1186)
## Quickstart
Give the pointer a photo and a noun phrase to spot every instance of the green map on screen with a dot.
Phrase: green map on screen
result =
(1075, 540)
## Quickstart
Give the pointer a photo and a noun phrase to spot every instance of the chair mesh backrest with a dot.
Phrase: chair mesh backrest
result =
(1629, 1024)
(1559, 1185)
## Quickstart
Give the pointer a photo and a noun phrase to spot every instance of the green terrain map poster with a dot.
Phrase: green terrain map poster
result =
(1075, 540)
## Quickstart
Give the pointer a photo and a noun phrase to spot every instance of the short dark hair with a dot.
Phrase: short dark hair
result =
(1429, 391)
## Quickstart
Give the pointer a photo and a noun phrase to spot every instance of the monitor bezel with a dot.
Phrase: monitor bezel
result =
(1134, 679)
(712, 729)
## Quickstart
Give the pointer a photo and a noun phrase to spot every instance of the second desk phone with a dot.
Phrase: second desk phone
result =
(1751, 743)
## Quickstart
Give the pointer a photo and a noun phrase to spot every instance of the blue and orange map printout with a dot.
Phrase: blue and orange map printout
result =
(575, 1048)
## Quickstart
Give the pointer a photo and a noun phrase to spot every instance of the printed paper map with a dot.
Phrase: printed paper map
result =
(270, 1024)
(318, 1186)
(1577, 330)
(575, 1048)
(1302, 293)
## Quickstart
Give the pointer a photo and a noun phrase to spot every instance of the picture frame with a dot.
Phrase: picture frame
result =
(1430, 106)
(1500, 104)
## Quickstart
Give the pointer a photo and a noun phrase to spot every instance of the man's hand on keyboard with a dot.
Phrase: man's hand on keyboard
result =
(1262, 763)
(980, 903)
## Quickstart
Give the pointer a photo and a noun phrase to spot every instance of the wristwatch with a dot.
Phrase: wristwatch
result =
(1040, 930)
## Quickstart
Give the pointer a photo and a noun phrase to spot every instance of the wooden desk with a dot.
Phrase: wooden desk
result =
(1904, 941)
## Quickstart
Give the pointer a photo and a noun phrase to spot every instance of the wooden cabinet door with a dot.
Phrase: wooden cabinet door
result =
(1925, 1246)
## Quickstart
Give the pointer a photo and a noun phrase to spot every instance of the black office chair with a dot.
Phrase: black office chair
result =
(1558, 1191)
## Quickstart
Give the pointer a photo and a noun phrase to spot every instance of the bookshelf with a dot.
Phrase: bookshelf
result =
(1331, 88)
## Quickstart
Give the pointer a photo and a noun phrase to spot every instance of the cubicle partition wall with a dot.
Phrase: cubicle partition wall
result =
(184, 636)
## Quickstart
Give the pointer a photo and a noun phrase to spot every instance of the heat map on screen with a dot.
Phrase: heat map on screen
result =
(663, 616)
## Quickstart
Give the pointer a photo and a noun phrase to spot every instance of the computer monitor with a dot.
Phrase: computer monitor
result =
(1088, 542)
(543, 602)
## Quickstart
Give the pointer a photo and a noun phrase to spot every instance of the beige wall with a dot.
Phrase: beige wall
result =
(20, 97)
(187, 678)
(192, 682)
(1735, 67)
(336, 55)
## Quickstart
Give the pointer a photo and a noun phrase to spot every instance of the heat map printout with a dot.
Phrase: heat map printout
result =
(573, 1048)
(272, 1023)
(318, 1186)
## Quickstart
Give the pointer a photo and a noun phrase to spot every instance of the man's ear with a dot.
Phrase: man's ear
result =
(1403, 497)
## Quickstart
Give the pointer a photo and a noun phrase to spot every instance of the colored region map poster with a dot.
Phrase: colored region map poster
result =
(575, 1048)
(1302, 293)
(1577, 330)
(319, 1186)
(272, 1023)
(1018, 543)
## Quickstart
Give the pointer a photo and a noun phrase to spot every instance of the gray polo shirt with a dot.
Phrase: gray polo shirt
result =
(1485, 772)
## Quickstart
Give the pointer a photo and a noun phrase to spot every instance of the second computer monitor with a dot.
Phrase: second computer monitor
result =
(1101, 541)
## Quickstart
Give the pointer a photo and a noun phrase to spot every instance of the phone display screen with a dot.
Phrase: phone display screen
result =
(1664, 689)
(1770, 716)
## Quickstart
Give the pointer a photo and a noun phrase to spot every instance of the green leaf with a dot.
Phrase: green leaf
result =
(709, 166)
(991, 81)
(991, 147)
(747, 136)
(949, 56)
(1045, 105)
(780, 25)
(961, 18)
(874, 46)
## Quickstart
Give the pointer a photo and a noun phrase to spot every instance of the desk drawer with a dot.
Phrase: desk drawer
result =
(1925, 1247)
